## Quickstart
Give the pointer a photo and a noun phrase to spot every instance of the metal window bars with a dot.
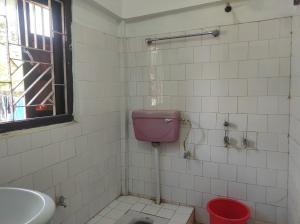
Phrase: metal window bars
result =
(37, 69)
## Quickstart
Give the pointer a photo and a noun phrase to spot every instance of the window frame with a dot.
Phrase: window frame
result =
(56, 119)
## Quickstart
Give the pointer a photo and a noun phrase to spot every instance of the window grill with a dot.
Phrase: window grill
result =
(33, 60)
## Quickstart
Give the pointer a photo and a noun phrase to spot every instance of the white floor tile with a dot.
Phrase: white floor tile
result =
(138, 207)
(181, 217)
(129, 199)
(113, 204)
(115, 214)
(105, 220)
(145, 201)
(123, 206)
(165, 213)
(105, 211)
(95, 220)
(169, 206)
(151, 209)
(126, 205)
(184, 210)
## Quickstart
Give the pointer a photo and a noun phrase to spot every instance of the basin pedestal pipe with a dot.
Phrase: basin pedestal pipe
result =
(155, 146)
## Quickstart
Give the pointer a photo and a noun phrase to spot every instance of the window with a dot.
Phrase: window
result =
(39, 19)
(35, 63)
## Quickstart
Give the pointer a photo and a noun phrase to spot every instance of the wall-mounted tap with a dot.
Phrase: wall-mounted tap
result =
(228, 7)
(226, 137)
(226, 141)
(187, 155)
(226, 124)
(61, 201)
(245, 142)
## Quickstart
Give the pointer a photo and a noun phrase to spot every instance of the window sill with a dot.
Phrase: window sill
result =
(34, 123)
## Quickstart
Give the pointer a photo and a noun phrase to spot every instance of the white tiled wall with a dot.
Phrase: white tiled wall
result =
(243, 76)
(294, 158)
(80, 160)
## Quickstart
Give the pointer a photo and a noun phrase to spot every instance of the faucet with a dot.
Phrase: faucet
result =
(61, 201)
(226, 137)
(187, 155)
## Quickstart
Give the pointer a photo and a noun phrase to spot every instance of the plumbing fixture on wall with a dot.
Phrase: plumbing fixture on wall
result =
(232, 143)
(245, 142)
(226, 124)
(228, 8)
(226, 137)
(155, 146)
(226, 140)
(61, 201)
(187, 154)
(214, 33)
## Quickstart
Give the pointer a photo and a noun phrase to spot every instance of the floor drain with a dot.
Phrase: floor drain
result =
(134, 217)
(145, 220)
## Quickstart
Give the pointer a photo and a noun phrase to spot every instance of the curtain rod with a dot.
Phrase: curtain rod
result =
(214, 33)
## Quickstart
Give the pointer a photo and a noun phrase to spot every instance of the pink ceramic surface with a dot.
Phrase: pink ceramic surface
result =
(156, 126)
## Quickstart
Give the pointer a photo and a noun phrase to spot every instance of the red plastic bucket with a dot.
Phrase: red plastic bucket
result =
(227, 211)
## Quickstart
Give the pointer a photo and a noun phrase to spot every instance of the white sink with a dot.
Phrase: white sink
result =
(21, 206)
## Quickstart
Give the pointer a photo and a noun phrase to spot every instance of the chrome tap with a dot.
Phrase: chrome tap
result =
(61, 201)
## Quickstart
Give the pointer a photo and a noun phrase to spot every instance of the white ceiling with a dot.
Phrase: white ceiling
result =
(114, 6)
(138, 8)
(128, 9)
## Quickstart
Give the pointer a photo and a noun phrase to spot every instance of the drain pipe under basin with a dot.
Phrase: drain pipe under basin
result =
(155, 146)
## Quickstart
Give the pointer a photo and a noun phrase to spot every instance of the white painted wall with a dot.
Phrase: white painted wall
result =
(211, 15)
(95, 18)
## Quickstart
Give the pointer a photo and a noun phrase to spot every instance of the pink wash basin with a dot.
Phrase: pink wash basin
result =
(156, 126)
